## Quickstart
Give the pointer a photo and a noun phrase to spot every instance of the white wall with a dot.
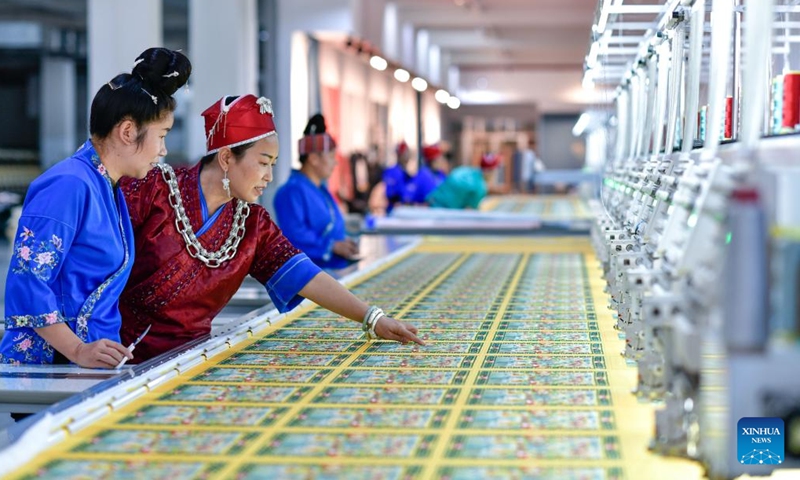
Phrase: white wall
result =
(118, 31)
(551, 91)
(222, 64)
(390, 42)
(431, 118)
(302, 17)
(360, 88)
(57, 124)
(402, 117)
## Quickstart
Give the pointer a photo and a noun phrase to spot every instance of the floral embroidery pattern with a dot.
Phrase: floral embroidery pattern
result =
(34, 321)
(82, 324)
(38, 258)
(102, 169)
(28, 348)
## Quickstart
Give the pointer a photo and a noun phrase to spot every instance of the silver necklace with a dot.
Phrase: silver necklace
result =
(228, 249)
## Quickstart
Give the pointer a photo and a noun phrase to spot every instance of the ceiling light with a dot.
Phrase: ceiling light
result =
(401, 75)
(419, 84)
(441, 96)
(453, 102)
(378, 63)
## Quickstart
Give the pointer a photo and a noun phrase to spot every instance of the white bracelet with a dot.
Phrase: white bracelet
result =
(374, 324)
(367, 317)
(371, 320)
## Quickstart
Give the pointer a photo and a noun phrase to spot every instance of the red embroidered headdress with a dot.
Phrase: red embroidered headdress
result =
(244, 120)
(316, 139)
(401, 148)
(489, 161)
(316, 143)
(431, 152)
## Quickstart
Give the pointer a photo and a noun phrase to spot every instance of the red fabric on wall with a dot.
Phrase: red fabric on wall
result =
(341, 182)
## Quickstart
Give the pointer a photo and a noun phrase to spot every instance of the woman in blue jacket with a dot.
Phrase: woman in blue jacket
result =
(306, 211)
(74, 248)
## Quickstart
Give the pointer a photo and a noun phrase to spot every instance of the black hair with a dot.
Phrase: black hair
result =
(142, 96)
(238, 153)
(315, 126)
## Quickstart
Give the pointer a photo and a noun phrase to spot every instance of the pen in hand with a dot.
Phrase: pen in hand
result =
(124, 360)
(133, 345)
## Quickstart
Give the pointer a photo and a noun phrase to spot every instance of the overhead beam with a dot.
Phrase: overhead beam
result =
(522, 66)
(566, 56)
(447, 17)
(469, 39)
(631, 25)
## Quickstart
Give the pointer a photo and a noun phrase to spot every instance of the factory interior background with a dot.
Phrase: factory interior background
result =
(621, 302)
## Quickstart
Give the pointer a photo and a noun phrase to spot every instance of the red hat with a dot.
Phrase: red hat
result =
(316, 139)
(316, 143)
(489, 161)
(244, 120)
(401, 148)
(431, 152)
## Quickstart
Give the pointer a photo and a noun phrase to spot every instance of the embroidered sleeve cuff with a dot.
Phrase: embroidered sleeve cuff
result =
(34, 321)
(284, 287)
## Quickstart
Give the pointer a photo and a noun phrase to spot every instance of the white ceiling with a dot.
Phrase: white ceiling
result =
(527, 52)
(511, 51)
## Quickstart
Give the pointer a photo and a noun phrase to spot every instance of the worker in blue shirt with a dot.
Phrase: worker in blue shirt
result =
(407, 182)
(306, 210)
(465, 186)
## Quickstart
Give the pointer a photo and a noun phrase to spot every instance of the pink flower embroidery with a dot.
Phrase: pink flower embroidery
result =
(56, 242)
(44, 258)
(25, 253)
(26, 233)
(25, 344)
(51, 318)
(102, 169)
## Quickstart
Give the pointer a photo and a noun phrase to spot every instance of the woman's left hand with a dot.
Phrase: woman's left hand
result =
(390, 329)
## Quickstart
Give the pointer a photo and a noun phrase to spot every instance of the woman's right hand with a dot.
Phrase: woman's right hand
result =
(100, 354)
(390, 329)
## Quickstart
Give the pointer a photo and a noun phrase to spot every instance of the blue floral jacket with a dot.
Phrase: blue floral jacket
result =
(72, 256)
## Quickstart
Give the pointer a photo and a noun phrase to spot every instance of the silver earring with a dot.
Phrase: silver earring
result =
(226, 184)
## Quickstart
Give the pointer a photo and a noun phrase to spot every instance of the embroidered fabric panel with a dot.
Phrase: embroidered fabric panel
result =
(487, 397)
(38, 256)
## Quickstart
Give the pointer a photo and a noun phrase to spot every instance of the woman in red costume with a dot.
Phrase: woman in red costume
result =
(198, 235)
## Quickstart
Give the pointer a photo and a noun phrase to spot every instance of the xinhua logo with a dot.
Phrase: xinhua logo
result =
(760, 441)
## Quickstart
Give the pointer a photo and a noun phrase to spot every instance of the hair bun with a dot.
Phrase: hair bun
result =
(316, 125)
(162, 69)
